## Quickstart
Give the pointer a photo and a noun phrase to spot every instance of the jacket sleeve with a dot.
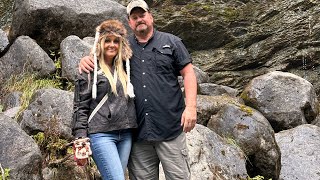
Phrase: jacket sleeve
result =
(81, 106)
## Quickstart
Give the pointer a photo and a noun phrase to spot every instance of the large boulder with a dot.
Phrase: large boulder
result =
(252, 132)
(49, 22)
(72, 50)
(18, 151)
(211, 89)
(50, 110)
(212, 157)
(285, 99)
(211, 105)
(25, 56)
(300, 152)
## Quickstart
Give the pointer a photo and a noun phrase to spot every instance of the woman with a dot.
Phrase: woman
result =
(103, 106)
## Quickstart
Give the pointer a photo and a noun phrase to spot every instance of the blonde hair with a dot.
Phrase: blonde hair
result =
(114, 27)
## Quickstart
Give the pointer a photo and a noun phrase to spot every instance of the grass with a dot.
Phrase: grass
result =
(28, 85)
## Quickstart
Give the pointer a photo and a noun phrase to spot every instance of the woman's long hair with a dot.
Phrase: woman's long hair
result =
(114, 27)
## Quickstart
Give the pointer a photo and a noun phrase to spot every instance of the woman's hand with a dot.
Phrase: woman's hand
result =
(81, 150)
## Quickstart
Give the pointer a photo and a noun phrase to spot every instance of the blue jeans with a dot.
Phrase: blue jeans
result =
(110, 152)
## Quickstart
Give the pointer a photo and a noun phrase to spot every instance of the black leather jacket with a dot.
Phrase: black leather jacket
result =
(117, 113)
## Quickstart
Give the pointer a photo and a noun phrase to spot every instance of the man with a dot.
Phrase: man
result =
(163, 116)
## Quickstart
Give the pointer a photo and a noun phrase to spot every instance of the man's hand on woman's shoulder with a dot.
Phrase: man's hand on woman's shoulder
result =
(86, 64)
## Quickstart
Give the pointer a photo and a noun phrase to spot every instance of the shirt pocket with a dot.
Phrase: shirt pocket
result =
(163, 58)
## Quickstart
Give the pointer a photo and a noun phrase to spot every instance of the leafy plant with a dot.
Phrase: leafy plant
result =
(50, 143)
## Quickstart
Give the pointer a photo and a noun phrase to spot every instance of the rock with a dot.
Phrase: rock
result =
(210, 105)
(300, 152)
(12, 100)
(25, 56)
(285, 99)
(18, 152)
(252, 132)
(72, 50)
(211, 89)
(4, 41)
(49, 22)
(211, 157)
(49, 110)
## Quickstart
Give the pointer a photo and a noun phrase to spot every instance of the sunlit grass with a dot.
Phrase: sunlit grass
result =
(28, 85)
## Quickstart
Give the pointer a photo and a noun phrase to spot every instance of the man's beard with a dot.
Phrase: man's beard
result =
(142, 31)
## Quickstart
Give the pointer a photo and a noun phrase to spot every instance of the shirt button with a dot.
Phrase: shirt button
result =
(145, 99)
(143, 73)
(142, 60)
(142, 48)
(147, 114)
(144, 86)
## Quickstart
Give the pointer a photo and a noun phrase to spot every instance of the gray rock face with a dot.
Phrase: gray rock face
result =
(285, 99)
(12, 100)
(4, 41)
(50, 109)
(211, 89)
(25, 56)
(317, 121)
(253, 134)
(211, 157)
(210, 105)
(300, 149)
(235, 41)
(72, 50)
(202, 77)
(12, 112)
(49, 22)
(18, 151)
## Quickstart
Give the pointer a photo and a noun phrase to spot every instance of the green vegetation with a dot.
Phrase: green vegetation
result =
(229, 13)
(232, 141)
(64, 84)
(6, 174)
(50, 144)
(197, 9)
(257, 178)
(246, 109)
(28, 84)
(244, 95)
(6, 7)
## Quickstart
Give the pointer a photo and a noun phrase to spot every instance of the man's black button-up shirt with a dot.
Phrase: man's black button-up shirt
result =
(159, 100)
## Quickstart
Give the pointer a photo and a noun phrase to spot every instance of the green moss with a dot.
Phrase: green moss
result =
(245, 96)
(6, 174)
(207, 8)
(246, 109)
(198, 9)
(229, 13)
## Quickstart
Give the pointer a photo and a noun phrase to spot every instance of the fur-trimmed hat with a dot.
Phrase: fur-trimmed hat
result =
(112, 27)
